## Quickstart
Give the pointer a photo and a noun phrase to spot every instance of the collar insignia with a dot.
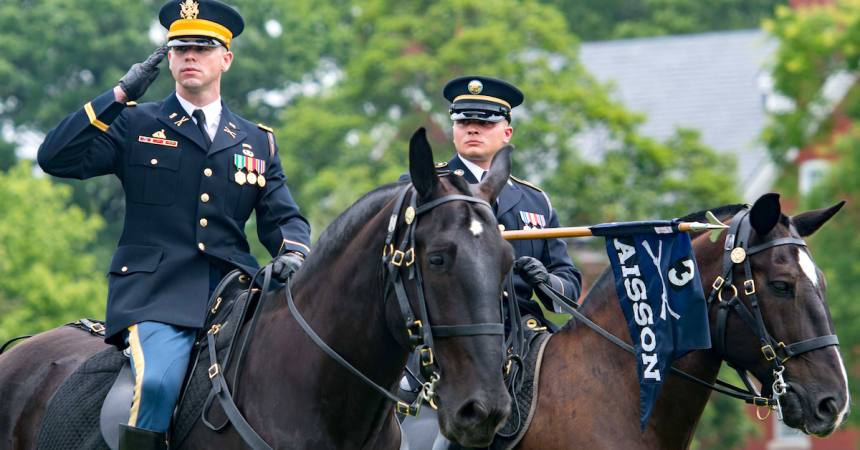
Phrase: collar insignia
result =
(230, 132)
(181, 121)
(189, 10)
(172, 116)
(231, 124)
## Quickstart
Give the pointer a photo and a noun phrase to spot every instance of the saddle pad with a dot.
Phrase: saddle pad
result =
(71, 421)
(523, 404)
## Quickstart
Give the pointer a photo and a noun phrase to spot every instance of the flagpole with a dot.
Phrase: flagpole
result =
(567, 232)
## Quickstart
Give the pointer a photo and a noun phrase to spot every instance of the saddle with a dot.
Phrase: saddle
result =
(87, 409)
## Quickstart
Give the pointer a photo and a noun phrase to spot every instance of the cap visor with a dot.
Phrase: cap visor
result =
(477, 115)
(185, 42)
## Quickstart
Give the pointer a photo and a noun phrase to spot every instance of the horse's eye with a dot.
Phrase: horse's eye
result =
(436, 260)
(781, 286)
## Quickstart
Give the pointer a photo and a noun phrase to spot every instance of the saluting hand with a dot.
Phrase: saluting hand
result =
(141, 75)
(531, 270)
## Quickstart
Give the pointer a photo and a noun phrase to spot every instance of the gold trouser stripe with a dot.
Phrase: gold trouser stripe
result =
(287, 241)
(481, 97)
(93, 120)
(137, 357)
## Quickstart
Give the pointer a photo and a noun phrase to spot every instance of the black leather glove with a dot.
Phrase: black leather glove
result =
(531, 270)
(141, 75)
(285, 265)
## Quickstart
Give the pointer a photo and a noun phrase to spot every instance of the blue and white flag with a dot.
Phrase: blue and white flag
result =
(658, 284)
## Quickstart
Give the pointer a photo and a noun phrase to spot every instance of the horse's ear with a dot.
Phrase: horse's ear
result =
(810, 221)
(500, 170)
(421, 166)
(765, 213)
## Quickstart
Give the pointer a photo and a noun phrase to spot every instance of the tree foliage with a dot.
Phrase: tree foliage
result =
(49, 275)
(613, 19)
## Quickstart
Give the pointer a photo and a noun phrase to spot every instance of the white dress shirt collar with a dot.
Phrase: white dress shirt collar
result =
(212, 112)
(476, 170)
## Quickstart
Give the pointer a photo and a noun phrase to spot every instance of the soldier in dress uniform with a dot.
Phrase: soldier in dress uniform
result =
(481, 111)
(192, 172)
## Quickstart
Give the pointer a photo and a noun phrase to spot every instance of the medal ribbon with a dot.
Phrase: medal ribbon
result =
(239, 160)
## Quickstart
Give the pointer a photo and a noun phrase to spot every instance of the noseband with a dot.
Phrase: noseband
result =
(737, 251)
(420, 333)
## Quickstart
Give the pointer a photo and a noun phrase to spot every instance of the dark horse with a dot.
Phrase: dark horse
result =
(588, 390)
(296, 396)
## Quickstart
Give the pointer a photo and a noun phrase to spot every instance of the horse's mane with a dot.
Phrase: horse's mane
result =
(353, 219)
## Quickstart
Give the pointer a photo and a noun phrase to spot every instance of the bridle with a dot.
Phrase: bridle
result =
(420, 336)
(420, 333)
(737, 251)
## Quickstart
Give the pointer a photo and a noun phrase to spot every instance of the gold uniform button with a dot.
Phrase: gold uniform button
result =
(204, 222)
(201, 246)
(154, 161)
(207, 172)
(125, 268)
(204, 197)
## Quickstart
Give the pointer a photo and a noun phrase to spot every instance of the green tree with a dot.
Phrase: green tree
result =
(613, 19)
(49, 276)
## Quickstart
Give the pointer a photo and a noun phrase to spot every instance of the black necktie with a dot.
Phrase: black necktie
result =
(483, 175)
(201, 124)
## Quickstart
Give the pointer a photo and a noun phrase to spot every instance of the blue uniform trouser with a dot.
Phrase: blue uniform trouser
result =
(159, 357)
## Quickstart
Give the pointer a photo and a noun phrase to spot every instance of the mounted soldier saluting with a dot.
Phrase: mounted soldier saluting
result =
(481, 111)
(192, 172)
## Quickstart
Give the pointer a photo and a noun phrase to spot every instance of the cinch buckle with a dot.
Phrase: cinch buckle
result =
(760, 401)
(769, 354)
(217, 304)
(417, 323)
(214, 370)
(411, 253)
(97, 327)
(749, 287)
(424, 362)
(403, 408)
(718, 283)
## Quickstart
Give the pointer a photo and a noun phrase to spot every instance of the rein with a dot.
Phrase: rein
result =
(736, 251)
(420, 336)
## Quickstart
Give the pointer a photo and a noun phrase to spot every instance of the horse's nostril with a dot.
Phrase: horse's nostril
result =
(472, 412)
(827, 409)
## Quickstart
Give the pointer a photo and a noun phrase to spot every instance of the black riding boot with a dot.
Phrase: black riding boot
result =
(131, 438)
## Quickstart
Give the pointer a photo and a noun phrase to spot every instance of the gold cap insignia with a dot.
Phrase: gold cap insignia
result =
(475, 86)
(159, 134)
(189, 9)
(738, 255)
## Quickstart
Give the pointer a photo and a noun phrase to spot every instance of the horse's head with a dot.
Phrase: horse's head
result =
(463, 261)
(790, 291)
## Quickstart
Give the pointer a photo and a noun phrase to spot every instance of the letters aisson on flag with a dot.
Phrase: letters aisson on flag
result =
(658, 284)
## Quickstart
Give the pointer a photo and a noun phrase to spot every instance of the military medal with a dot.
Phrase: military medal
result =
(261, 181)
(240, 177)
(532, 220)
(252, 178)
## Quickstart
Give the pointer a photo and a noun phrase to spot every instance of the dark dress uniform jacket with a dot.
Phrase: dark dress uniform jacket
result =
(183, 209)
(519, 196)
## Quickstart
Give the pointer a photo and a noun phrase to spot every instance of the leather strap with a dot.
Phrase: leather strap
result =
(441, 331)
(811, 344)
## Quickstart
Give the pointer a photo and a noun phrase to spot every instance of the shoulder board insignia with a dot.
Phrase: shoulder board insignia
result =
(265, 128)
(526, 183)
(131, 104)
(441, 165)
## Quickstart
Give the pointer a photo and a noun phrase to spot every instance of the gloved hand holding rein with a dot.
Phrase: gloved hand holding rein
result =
(531, 270)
